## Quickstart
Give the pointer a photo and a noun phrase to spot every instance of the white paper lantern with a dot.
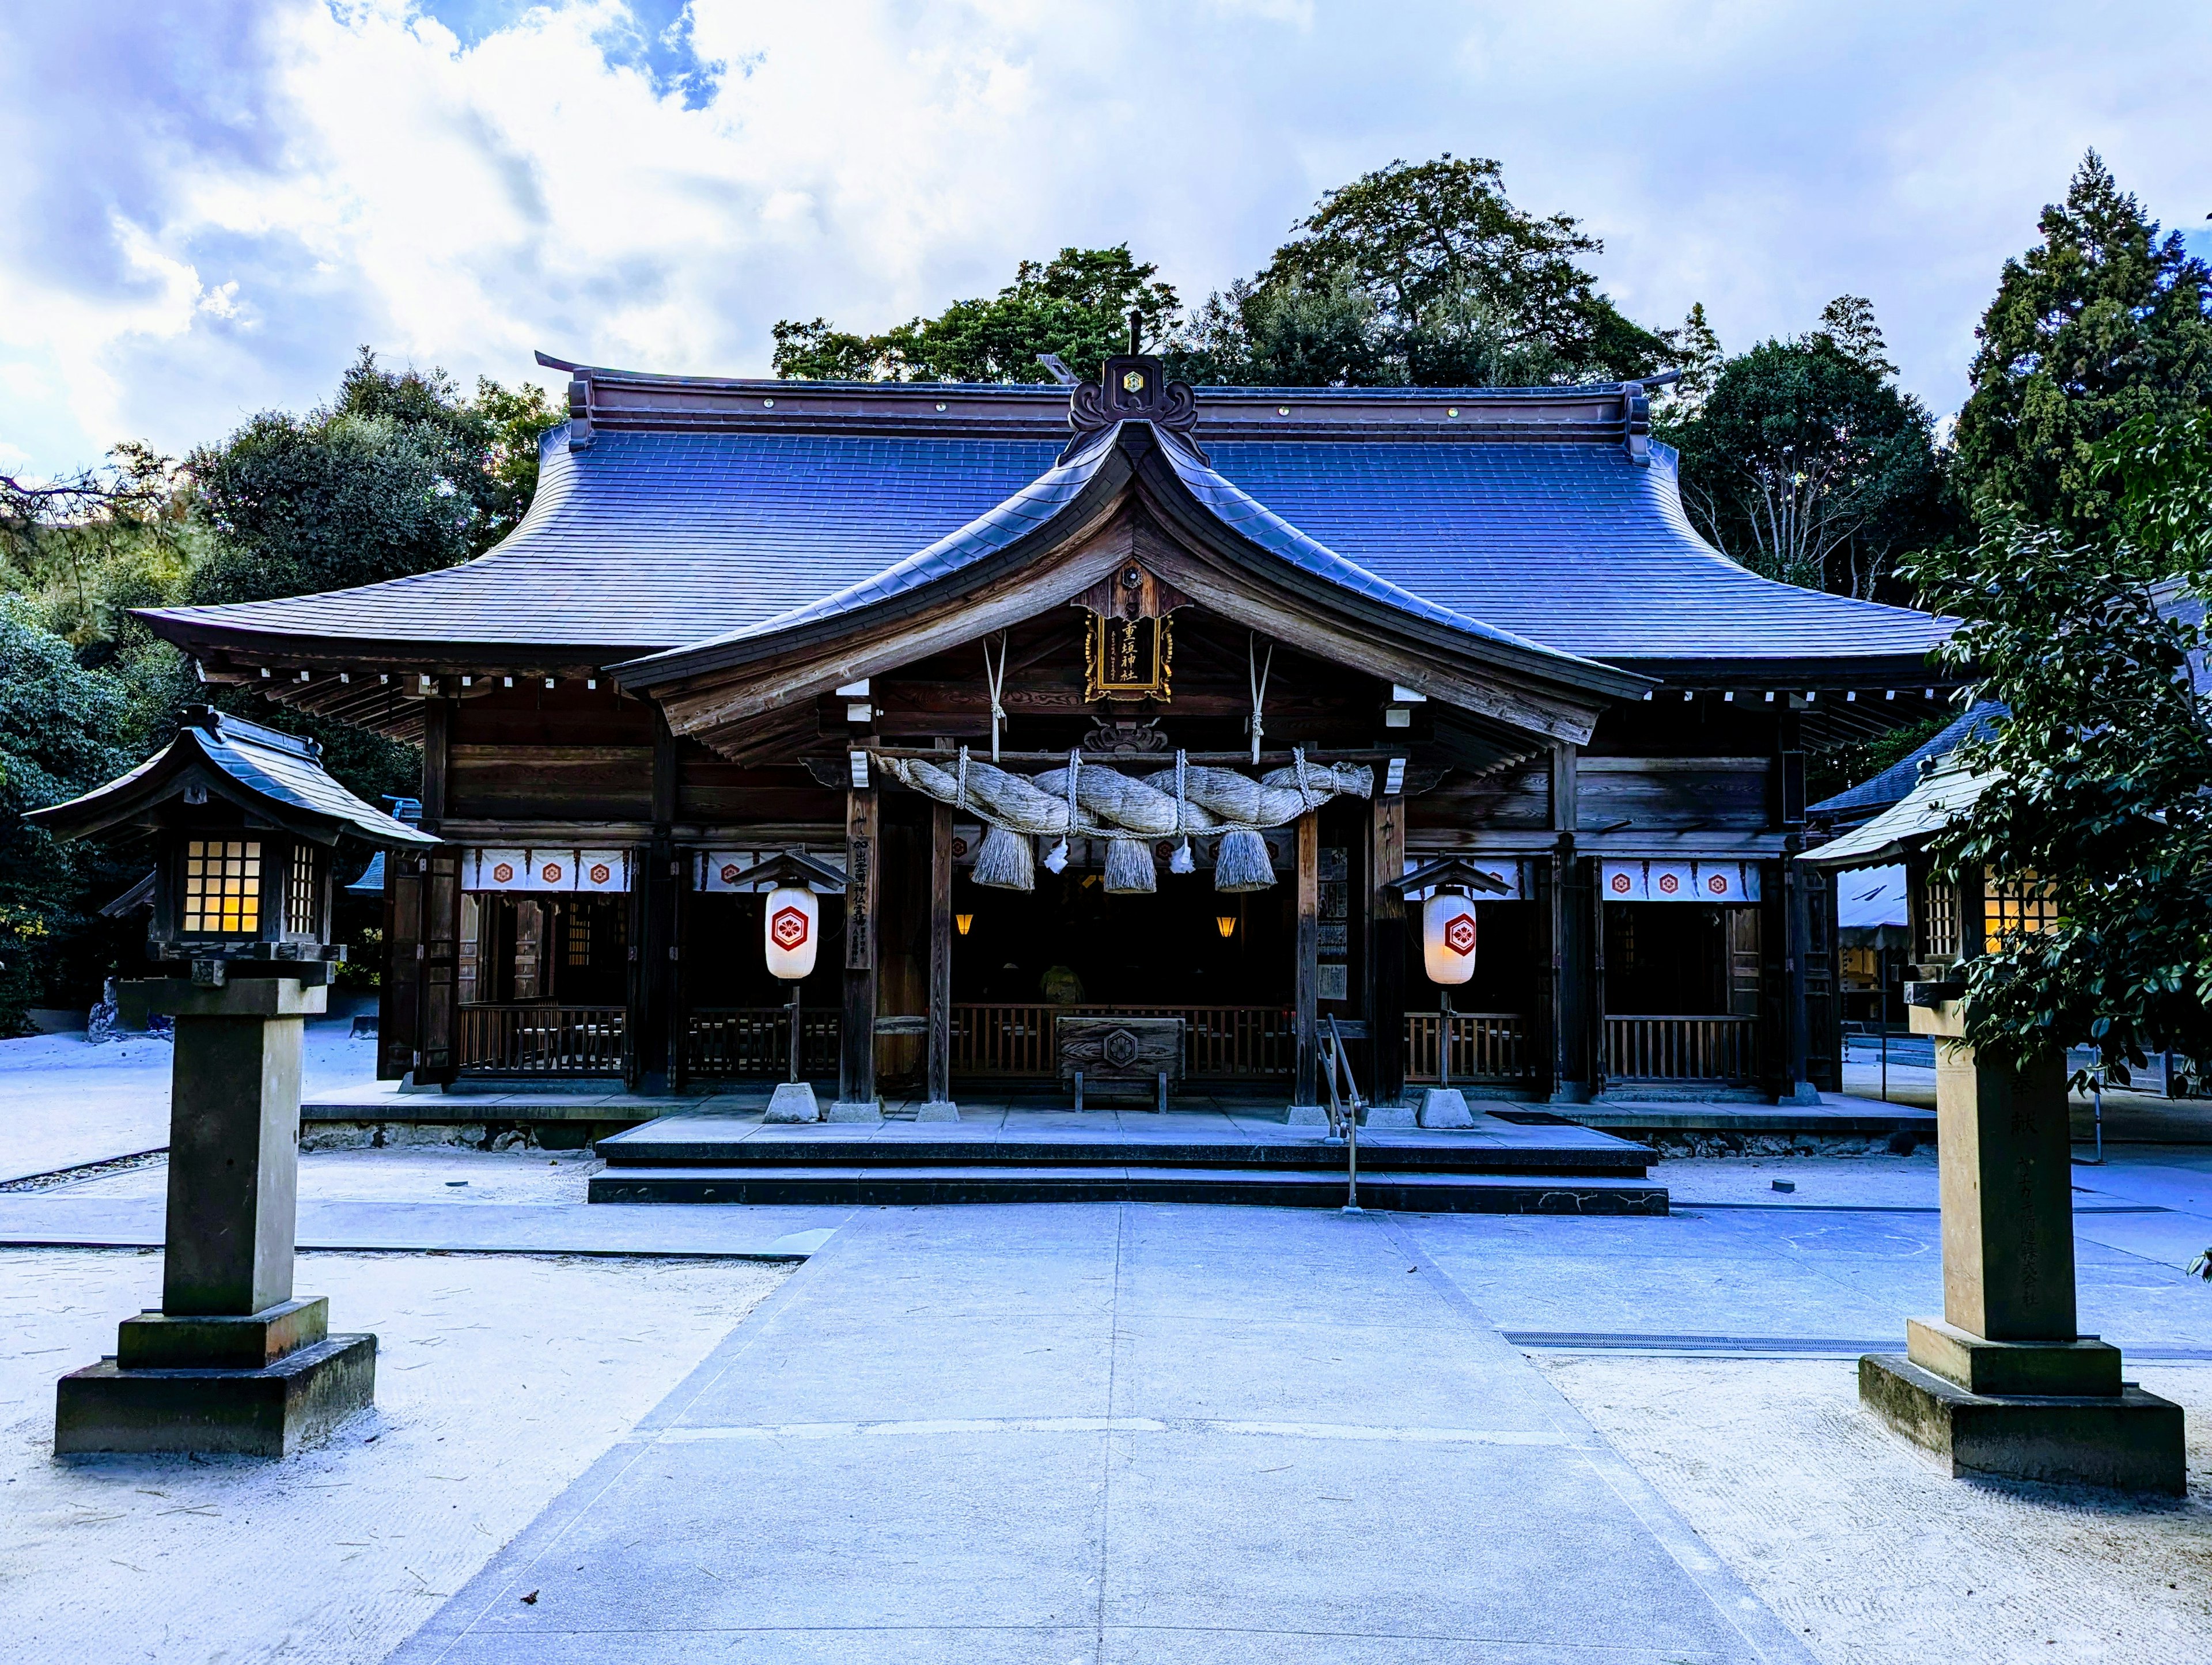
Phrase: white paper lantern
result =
(1447, 937)
(794, 927)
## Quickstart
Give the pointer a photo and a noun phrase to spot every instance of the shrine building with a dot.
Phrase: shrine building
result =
(1118, 699)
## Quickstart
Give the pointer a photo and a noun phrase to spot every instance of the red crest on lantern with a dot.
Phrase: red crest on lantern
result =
(788, 927)
(1459, 935)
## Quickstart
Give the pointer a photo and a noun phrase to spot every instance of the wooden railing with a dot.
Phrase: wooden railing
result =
(529, 1039)
(755, 1040)
(1680, 1049)
(1232, 1041)
(1487, 1046)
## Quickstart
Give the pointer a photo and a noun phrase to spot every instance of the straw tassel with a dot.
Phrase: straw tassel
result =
(1129, 870)
(1243, 863)
(1003, 861)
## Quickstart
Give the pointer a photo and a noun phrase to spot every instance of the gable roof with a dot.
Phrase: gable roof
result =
(671, 511)
(1055, 496)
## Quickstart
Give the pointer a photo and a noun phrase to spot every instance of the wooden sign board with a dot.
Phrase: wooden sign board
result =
(1112, 1051)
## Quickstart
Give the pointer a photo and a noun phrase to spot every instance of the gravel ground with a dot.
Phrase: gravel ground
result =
(1864, 1547)
(64, 1101)
(408, 1173)
(499, 1380)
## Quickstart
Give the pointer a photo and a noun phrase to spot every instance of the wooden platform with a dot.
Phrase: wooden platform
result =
(1013, 1152)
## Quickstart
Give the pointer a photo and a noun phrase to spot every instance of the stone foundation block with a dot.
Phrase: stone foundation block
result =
(268, 1412)
(937, 1110)
(2084, 1367)
(154, 1340)
(792, 1101)
(1444, 1107)
(2131, 1441)
(860, 1110)
(1386, 1118)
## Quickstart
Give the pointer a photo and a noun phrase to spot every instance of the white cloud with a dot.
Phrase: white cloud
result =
(223, 206)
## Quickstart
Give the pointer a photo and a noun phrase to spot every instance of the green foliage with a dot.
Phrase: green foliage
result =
(1840, 767)
(1807, 464)
(2106, 772)
(1077, 305)
(397, 474)
(59, 728)
(2104, 323)
(1422, 274)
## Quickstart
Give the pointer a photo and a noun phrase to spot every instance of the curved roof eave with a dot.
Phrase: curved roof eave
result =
(1014, 529)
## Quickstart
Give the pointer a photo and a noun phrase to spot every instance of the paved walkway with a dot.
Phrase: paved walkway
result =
(1118, 1434)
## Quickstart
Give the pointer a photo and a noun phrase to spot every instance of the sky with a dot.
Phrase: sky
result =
(211, 204)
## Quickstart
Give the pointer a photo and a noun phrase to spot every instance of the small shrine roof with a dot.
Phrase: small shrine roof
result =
(278, 775)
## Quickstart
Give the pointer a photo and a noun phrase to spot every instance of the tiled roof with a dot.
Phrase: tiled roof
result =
(277, 773)
(1877, 792)
(1037, 503)
(649, 540)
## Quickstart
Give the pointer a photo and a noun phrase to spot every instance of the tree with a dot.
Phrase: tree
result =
(1698, 357)
(1423, 274)
(1077, 305)
(399, 475)
(59, 728)
(2102, 322)
(2103, 791)
(1805, 463)
(1847, 324)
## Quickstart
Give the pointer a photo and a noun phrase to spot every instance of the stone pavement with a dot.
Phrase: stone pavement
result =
(1114, 1433)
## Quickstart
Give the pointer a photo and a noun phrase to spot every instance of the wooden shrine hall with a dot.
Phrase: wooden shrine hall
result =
(1124, 699)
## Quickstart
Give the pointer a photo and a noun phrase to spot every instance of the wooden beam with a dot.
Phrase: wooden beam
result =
(1306, 1083)
(940, 953)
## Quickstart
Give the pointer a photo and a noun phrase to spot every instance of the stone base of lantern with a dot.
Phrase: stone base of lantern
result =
(263, 1384)
(793, 1100)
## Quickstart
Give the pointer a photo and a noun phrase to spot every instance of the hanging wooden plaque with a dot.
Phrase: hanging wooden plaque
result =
(1129, 651)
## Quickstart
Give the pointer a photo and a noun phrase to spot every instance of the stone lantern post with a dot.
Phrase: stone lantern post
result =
(2004, 1382)
(243, 822)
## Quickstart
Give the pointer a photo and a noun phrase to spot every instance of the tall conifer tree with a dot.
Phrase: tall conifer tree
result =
(2104, 322)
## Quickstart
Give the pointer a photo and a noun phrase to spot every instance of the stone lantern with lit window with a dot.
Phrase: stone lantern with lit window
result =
(243, 822)
(2004, 1382)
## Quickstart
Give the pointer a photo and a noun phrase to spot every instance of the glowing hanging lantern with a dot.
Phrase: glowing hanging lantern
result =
(1447, 937)
(793, 928)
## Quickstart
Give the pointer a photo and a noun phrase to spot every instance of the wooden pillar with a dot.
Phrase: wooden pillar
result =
(940, 1090)
(1793, 1083)
(1386, 951)
(856, 1062)
(1306, 1081)
(1573, 926)
(653, 1006)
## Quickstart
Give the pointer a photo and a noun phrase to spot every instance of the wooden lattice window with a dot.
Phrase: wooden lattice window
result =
(1939, 919)
(2021, 907)
(223, 887)
(302, 893)
(579, 936)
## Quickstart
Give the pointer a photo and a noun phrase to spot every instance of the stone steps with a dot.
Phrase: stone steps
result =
(885, 1183)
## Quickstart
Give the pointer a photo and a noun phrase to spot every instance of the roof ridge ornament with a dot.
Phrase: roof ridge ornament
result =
(1135, 388)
